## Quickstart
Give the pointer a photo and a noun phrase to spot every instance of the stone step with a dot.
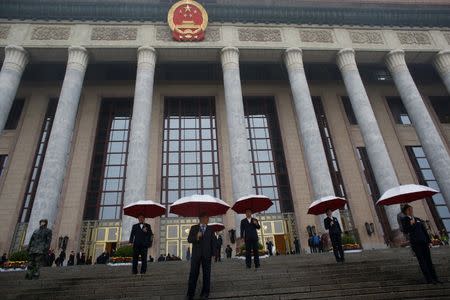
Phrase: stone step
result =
(375, 275)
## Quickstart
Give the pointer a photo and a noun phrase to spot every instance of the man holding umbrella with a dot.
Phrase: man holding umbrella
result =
(420, 243)
(249, 227)
(141, 233)
(251, 204)
(335, 231)
(141, 237)
(203, 241)
(201, 236)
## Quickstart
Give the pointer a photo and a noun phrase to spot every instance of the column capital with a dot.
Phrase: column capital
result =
(16, 58)
(293, 58)
(442, 61)
(78, 58)
(146, 56)
(345, 59)
(229, 57)
(395, 60)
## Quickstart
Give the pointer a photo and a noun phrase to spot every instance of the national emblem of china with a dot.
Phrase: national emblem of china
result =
(188, 20)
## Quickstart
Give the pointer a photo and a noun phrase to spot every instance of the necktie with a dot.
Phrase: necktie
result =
(203, 227)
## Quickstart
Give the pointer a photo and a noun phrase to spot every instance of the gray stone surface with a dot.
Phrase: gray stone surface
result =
(237, 132)
(442, 65)
(432, 143)
(376, 149)
(316, 276)
(138, 149)
(308, 128)
(47, 199)
(16, 58)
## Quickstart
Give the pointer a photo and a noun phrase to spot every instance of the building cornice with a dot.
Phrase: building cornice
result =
(101, 10)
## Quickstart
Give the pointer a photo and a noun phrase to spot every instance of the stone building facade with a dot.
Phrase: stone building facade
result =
(101, 107)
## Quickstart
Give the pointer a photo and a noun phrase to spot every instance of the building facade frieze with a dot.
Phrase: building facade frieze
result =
(257, 36)
(384, 15)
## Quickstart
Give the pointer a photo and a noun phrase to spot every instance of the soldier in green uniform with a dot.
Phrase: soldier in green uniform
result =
(38, 249)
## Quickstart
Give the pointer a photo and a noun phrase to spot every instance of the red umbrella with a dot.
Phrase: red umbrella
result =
(255, 203)
(193, 206)
(405, 193)
(216, 227)
(147, 208)
(320, 206)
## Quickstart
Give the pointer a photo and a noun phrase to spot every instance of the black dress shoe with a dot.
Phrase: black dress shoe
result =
(204, 296)
(438, 281)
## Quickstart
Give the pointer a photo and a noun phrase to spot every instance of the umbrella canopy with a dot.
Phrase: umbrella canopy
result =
(193, 206)
(320, 206)
(405, 193)
(147, 208)
(216, 227)
(256, 203)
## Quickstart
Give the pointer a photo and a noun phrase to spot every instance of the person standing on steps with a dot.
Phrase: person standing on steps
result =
(219, 243)
(203, 241)
(269, 246)
(296, 245)
(38, 249)
(420, 243)
(229, 251)
(71, 260)
(141, 237)
(335, 231)
(249, 227)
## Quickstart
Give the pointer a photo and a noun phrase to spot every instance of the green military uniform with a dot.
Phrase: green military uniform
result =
(38, 249)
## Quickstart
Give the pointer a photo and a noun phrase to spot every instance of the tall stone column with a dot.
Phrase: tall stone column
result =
(442, 64)
(308, 128)
(431, 141)
(137, 162)
(16, 58)
(237, 132)
(376, 149)
(48, 194)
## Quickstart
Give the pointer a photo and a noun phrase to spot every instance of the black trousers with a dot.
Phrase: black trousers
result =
(142, 252)
(251, 246)
(336, 241)
(423, 255)
(218, 255)
(205, 263)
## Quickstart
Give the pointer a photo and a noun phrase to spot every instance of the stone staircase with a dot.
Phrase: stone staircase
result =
(380, 274)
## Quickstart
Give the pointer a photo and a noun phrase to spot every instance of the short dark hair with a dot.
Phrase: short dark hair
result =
(202, 214)
(405, 208)
(328, 209)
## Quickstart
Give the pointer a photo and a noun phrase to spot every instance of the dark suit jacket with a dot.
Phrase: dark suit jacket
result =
(141, 237)
(334, 229)
(417, 233)
(249, 230)
(203, 247)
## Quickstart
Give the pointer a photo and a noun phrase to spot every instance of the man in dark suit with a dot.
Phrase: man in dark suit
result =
(249, 227)
(141, 237)
(335, 231)
(203, 242)
(420, 243)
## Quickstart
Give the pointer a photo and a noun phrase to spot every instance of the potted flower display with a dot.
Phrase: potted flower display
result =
(17, 261)
(349, 242)
(261, 250)
(123, 255)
